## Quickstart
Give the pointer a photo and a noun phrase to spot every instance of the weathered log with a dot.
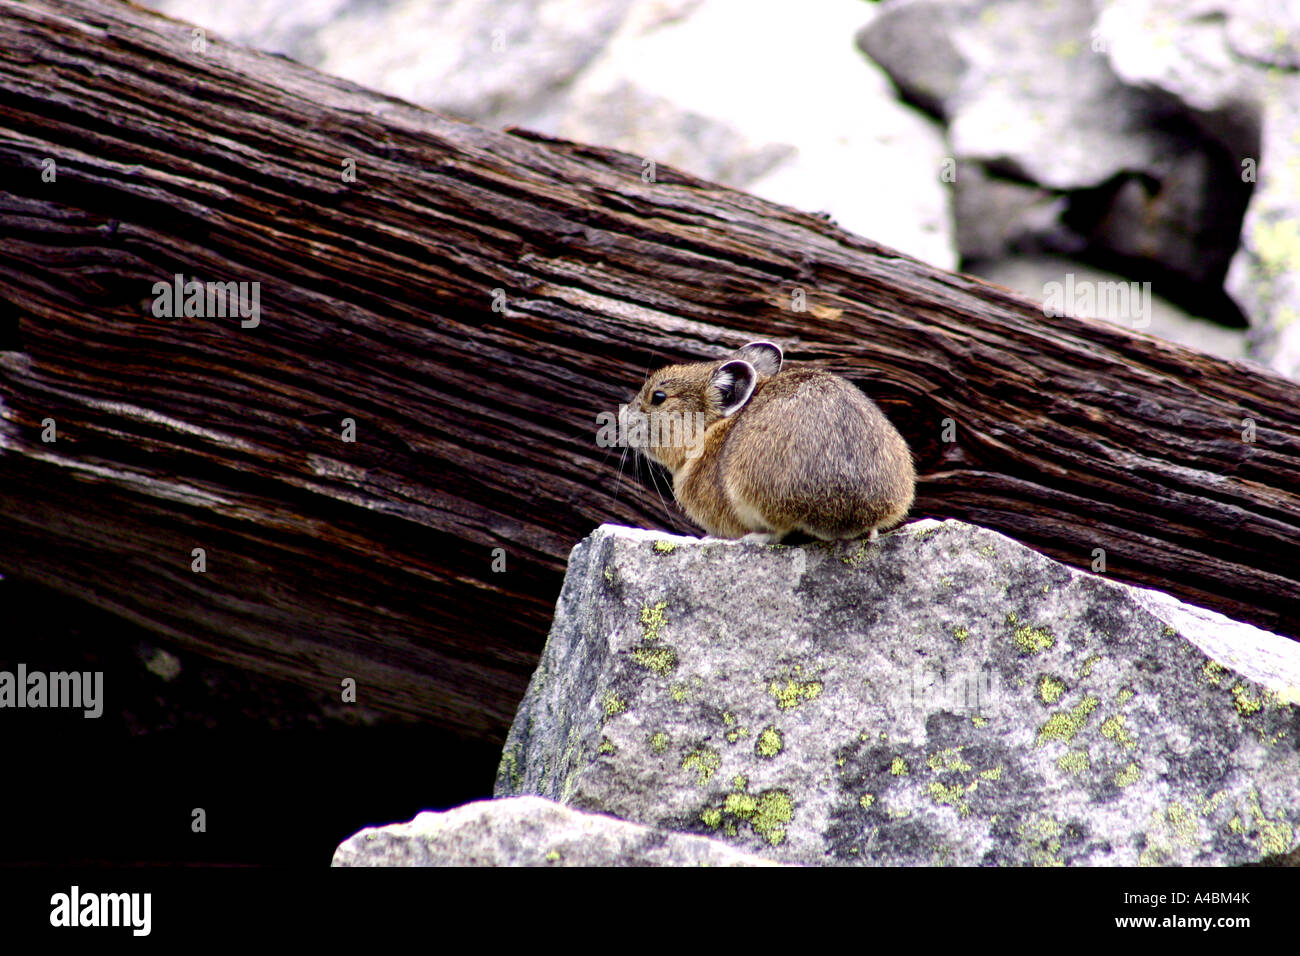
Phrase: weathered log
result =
(476, 427)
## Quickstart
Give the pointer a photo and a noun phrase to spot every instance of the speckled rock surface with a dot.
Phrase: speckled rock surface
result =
(945, 695)
(530, 831)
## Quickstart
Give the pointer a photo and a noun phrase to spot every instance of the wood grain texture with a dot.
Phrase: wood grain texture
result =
(476, 428)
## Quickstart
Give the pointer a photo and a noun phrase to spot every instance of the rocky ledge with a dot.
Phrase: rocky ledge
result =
(942, 695)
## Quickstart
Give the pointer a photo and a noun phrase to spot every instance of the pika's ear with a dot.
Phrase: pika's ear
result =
(735, 381)
(764, 356)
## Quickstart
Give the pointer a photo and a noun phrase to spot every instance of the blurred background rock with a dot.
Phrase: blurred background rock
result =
(1019, 140)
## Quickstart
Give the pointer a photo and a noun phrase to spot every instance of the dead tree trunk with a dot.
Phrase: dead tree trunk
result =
(471, 301)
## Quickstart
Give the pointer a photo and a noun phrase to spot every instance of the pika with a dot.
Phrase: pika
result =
(760, 451)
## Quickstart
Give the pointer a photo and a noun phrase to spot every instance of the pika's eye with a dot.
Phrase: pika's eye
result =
(657, 398)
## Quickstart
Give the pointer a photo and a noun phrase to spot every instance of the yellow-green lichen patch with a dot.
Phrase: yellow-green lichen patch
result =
(1173, 832)
(739, 782)
(1213, 672)
(1063, 725)
(1073, 761)
(712, 817)
(665, 547)
(737, 734)
(653, 620)
(658, 742)
(570, 781)
(898, 767)
(1168, 631)
(1040, 841)
(1277, 244)
(1182, 823)
(898, 813)
(769, 743)
(510, 768)
(1128, 776)
(1113, 728)
(948, 759)
(1246, 704)
(1068, 49)
(1030, 640)
(857, 557)
(657, 660)
(1276, 835)
(1085, 669)
(679, 692)
(1050, 689)
(994, 773)
(703, 761)
(775, 811)
(554, 857)
(767, 814)
(978, 721)
(741, 805)
(953, 796)
(612, 704)
(606, 746)
(866, 800)
(1207, 806)
(1124, 695)
(961, 632)
(609, 575)
(794, 692)
(728, 718)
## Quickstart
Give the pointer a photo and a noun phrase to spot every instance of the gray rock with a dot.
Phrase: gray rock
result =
(913, 42)
(945, 695)
(1264, 277)
(488, 61)
(997, 217)
(1031, 275)
(725, 91)
(713, 88)
(627, 117)
(1236, 69)
(530, 831)
(1183, 50)
(1031, 95)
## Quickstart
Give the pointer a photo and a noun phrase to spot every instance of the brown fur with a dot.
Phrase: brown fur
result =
(807, 452)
